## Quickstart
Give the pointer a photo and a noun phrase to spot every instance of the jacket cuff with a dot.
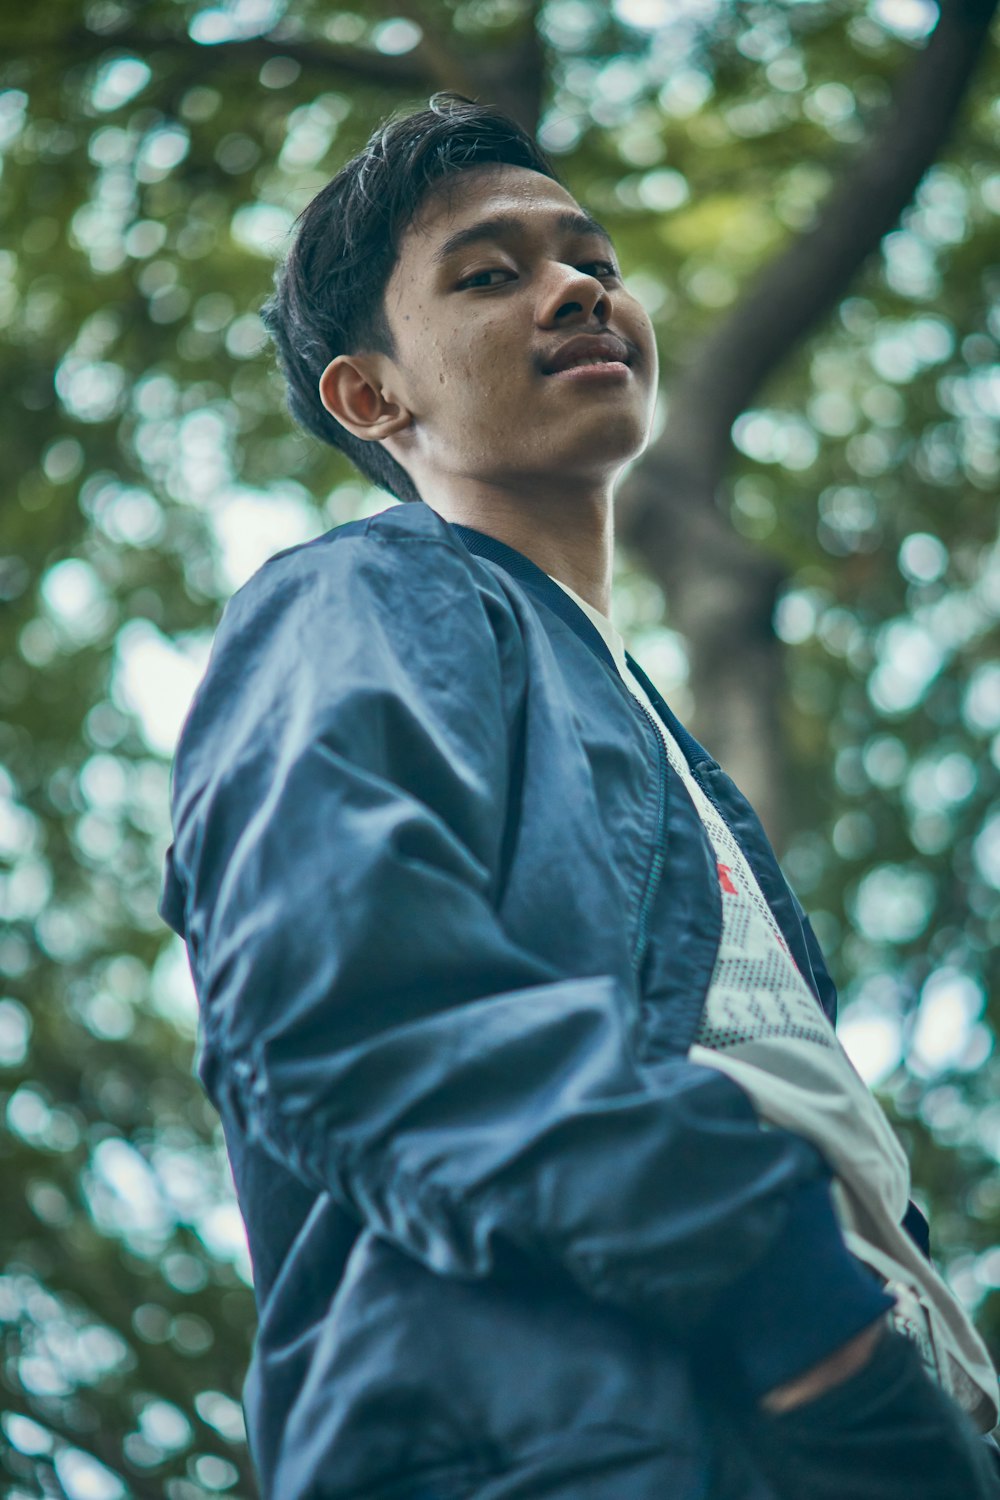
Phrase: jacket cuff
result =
(801, 1302)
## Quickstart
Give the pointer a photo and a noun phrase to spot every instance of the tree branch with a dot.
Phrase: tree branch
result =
(511, 77)
(721, 590)
(355, 64)
(805, 282)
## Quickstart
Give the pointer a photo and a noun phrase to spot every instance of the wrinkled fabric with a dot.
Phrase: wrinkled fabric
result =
(451, 937)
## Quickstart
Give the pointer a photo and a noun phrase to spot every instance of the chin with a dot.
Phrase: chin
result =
(618, 441)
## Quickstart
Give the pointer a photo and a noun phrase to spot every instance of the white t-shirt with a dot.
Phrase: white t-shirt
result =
(764, 1028)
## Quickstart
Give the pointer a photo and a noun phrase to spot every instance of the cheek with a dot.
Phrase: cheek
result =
(645, 336)
(494, 361)
(458, 367)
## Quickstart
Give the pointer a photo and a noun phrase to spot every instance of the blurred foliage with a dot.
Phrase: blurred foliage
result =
(153, 158)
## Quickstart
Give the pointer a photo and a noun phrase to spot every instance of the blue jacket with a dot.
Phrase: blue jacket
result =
(451, 919)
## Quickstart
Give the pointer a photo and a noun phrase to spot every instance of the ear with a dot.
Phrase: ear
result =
(352, 392)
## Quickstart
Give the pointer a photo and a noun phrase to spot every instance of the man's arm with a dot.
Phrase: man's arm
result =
(340, 797)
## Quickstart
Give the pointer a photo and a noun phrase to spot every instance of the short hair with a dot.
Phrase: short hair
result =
(329, 294)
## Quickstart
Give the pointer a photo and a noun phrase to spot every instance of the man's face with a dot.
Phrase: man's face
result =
(480, 308)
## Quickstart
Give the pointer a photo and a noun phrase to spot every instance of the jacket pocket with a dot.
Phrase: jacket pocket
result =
(419, 1379)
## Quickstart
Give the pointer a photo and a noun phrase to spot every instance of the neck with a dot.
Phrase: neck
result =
(569, 537)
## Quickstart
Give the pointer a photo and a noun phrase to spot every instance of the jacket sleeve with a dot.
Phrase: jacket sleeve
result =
(340, 795)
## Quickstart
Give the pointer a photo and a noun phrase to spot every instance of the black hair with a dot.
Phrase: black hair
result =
(329, 295)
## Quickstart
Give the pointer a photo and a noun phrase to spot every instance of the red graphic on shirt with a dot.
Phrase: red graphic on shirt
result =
(732, 890)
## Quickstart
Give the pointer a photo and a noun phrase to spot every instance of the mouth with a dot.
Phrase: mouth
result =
(591, 369)
(588, 355)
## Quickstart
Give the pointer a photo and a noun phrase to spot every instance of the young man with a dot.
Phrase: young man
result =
(556, 1180)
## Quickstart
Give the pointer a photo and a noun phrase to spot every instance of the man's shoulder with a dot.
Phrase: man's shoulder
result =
(412, 522)
(359, 604)
(367, 556)
(401, 574)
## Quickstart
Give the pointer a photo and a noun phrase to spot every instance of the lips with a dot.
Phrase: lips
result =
(587, 349)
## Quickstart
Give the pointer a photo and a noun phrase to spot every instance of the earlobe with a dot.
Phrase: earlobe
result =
(358, 402)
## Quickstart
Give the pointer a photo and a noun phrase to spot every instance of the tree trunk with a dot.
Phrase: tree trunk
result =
(721, 591)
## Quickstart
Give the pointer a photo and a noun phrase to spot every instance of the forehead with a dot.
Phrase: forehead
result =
(467, 197)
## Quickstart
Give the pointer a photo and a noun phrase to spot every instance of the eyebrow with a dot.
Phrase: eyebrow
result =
(502, 226)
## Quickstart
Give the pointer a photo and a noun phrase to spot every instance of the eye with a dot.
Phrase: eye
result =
(610, 269)
(477, 275)
(604, 270)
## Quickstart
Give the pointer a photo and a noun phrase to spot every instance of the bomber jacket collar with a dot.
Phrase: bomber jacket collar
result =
(535, 578)
(538, 581)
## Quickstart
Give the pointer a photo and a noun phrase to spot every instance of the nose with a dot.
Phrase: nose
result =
(571, 296)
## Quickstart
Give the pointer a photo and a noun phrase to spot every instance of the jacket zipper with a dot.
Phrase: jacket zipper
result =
(659, 853)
